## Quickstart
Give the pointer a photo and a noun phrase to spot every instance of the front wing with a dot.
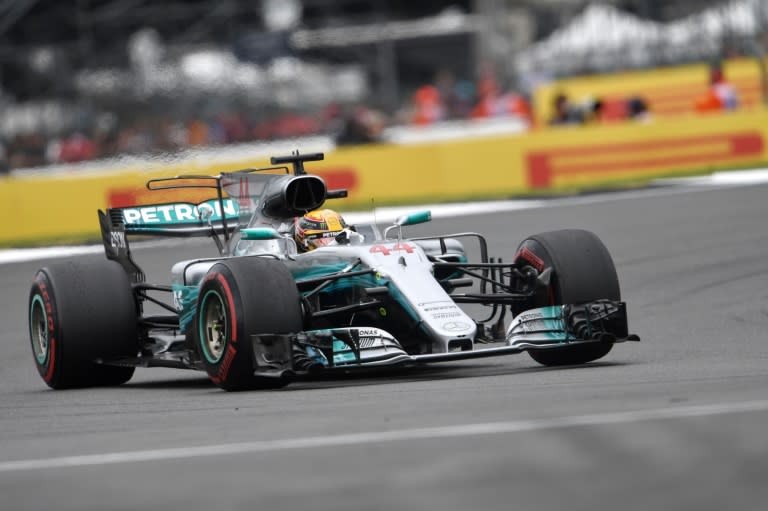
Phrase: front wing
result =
(553, 327)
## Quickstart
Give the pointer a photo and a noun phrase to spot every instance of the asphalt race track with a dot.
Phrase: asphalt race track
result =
(678, 421)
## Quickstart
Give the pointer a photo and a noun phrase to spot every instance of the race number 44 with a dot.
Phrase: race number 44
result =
(387, 250)
(117, 239)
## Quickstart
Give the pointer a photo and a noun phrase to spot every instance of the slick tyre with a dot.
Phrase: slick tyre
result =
(82, 312)
(582, 271)
(238, 298)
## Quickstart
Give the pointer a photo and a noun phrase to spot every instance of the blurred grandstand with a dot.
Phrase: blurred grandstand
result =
(86, 79)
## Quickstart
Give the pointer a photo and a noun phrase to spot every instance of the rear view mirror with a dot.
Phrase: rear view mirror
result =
(414, 218)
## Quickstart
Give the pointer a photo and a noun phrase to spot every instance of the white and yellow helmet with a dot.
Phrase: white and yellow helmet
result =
(318, 228)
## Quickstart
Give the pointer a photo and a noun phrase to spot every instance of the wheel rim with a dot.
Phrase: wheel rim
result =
(38, 329)
(213, 327)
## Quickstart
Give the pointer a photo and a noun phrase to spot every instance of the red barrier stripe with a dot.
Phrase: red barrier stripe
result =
(542, 169)
(336, 178)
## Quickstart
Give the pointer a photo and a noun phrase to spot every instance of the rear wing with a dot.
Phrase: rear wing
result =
(179, 219)
(236, 196)
(213, 217)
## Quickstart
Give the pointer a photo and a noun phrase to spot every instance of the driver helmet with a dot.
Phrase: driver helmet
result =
(318, 229)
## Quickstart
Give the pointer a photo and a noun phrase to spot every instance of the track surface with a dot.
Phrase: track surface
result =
(675, 422)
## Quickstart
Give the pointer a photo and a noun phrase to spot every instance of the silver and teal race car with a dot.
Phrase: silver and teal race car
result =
(262, 312)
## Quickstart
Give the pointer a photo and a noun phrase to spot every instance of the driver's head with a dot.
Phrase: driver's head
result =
(318, 229)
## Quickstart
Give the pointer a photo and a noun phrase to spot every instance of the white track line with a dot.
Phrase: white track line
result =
(18, 255)
(725, 178)
(463, 430)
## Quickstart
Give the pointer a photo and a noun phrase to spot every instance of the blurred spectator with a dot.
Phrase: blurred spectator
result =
(564, 112)
(720, 95)
(593, 111)
(488, 101)
(428, 106)
(724, 91)
(332, 119)
(27, 150)
(457, 97)
(74, 148)
(361, 125)
(235, 128)
(197, 133)
(492, 104)
(133, 140)
(637, 109)
(174, 135)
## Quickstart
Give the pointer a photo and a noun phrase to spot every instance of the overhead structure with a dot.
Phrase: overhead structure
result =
(605, 38)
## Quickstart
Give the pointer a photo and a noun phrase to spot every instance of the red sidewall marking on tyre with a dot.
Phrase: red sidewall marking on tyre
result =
(51, 325)
(226, 364)
(231, 303)
(51, 360)
(528, 255)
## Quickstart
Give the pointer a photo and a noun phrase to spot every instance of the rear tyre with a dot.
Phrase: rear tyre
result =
(582, 271)
(238, 298)
(81, 312)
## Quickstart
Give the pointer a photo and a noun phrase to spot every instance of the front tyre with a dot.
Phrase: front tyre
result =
(80, 313)
(582, 271)
(238, 298)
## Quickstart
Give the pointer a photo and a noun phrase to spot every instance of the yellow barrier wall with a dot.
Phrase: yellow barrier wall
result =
(55, 206)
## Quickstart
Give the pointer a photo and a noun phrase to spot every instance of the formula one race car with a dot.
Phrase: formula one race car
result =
(263, 312)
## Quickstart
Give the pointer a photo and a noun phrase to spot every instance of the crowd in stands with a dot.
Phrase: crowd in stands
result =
(451, 99)
(720, 95)
(444, 100)
(148, 134)
(596, 110)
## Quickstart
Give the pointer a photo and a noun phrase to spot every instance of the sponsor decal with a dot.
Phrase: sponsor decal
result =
(527, 254)
(530, 316)
(542, 321)
(535, 325)
(641, 156)
(445, 315)
(443, 307)
(179, 213)
(456, 326)
(368, 332)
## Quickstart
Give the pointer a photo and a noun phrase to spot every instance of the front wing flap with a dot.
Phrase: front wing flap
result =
(551, 327)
